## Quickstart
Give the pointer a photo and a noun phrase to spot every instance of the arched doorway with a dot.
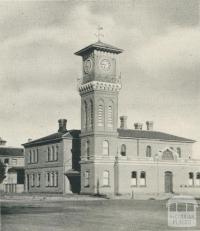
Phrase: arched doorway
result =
(168, 182)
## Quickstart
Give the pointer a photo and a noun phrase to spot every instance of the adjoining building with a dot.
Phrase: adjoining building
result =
(13, 158)
(52, 162)
(104, 158)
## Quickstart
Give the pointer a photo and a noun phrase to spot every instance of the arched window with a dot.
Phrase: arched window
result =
(148, 151)
(87, 149)
(133, 178)
(100, 115)
(123, 150)
(52, 153)
(105, 148)
(191, 178)
(110, 116)
(198, 179)
(105, 178)
(91, 114)
(179, 152)
(167, 155)
(142, 178)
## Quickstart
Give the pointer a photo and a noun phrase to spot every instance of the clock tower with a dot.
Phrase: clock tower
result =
(98, 88)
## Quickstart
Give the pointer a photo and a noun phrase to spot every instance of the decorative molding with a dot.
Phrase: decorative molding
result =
(99, 86)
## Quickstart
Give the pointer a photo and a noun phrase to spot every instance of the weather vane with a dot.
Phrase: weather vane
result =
(99, 34)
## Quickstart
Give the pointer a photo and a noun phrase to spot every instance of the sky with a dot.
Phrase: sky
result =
(160, 64)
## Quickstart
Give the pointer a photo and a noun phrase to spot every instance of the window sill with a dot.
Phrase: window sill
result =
(86, 186)
(105, 186)
(134, 186)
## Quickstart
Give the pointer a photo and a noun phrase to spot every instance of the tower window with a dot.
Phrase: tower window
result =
(123, 150)
(106, 178)
(105, 148)
(179, 152)
(134, 178)
(85, 115)
(148, 151)
(110, 116)
(100, 115)
(91, 114)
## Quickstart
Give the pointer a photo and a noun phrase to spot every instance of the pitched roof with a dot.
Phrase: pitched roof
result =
(10, 151)
(152, 135)
(55, 137)
(99, 46)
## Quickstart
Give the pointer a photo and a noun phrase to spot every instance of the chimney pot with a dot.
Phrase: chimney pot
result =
(123, 122)
(149, 125)
(62, 125)
(138, 126)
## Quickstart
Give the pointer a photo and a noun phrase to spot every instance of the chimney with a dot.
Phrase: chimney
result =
(29, 140)
(62, 125)
(149, 125)
(123, 122)
(138, 126)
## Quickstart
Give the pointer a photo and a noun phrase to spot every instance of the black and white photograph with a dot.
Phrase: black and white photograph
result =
(99, 115)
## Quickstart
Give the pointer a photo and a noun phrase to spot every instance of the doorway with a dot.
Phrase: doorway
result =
(168, 182)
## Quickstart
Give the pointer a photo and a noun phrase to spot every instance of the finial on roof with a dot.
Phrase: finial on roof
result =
(99, 34)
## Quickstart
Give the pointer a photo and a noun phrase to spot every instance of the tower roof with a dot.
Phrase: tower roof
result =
(99, 46)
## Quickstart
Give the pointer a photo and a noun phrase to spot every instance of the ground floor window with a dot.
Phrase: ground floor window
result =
(142, 179)
(106, 178)
(52, 179)
(32, 180)
(134, 178)
(198, 179)
(191, 179)
(38, 180)
(86, 179)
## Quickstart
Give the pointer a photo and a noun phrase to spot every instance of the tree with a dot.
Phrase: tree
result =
(2, 171)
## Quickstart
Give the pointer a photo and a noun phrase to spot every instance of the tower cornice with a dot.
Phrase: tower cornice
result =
(99, 86)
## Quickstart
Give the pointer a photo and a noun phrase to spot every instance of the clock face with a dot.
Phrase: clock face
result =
(105, 64)
(87, 65)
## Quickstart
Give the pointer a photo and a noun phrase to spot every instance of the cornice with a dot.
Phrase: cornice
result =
(99, 86)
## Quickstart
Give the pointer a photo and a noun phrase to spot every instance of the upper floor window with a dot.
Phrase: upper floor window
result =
(123, 150)
(110, 116)
(100, 115)
(167, 155)
(179, 152)
(33, 156)
(148, 151)
(105, 147)
(106, 178)
(52, 153)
